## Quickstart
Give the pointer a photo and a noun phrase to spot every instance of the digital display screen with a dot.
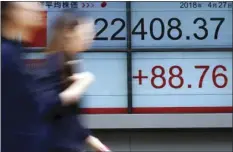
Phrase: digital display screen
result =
(182, 82)
(181, 24)
(162, 82)
(109, 19)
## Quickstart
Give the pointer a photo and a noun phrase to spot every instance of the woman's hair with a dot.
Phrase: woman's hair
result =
(69, 19)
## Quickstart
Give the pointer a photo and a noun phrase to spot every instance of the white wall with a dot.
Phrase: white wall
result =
(157, 140)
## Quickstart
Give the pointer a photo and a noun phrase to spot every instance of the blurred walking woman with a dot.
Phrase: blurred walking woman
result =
(73, 33)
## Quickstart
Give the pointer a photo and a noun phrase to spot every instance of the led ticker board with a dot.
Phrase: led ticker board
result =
(182, 83)
(181, 24)
(190, 82)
